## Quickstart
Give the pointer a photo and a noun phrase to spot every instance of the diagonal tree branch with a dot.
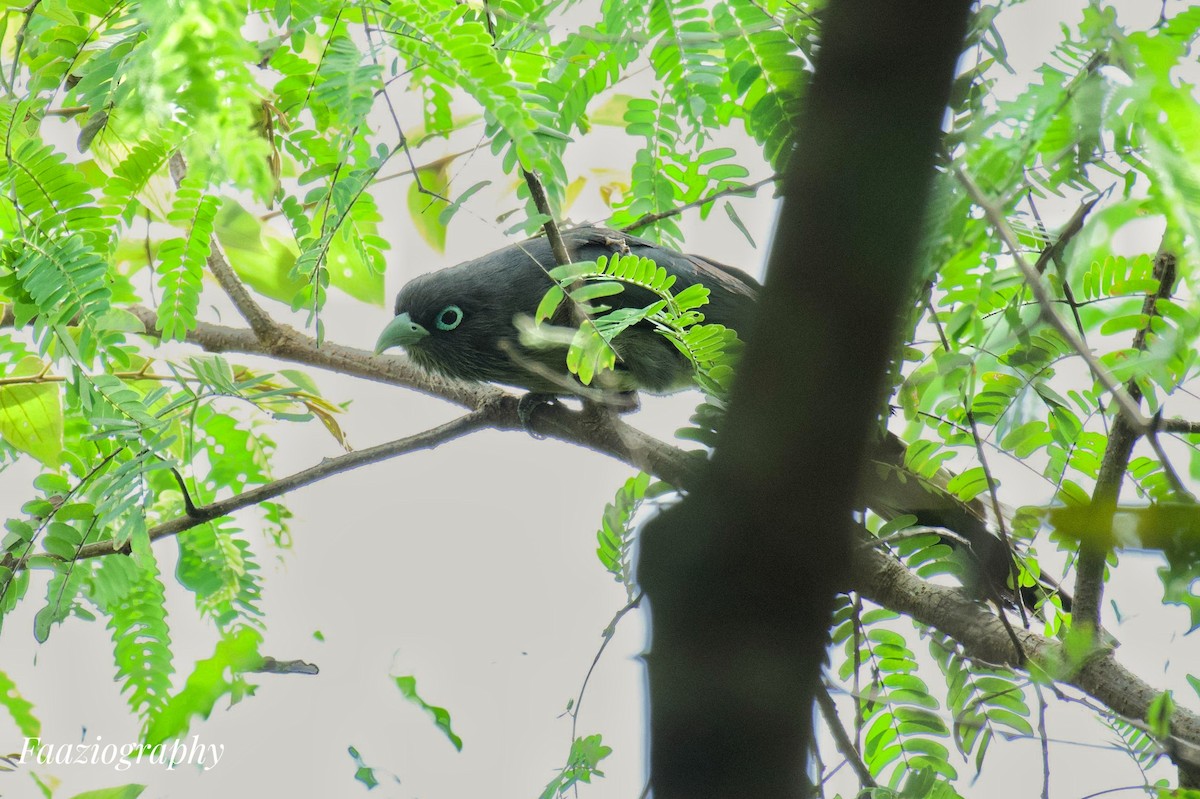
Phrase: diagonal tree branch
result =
(327, 468)
(538, 192)
(886, 582)
(1054, 251)
(841, 739)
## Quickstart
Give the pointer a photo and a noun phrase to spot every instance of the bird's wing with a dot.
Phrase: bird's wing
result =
(707, 271)
(733, 292)
(715, 273)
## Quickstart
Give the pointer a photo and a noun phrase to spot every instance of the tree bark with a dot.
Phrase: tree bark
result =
(741, 575)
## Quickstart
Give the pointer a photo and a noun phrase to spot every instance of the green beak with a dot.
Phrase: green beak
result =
(400, 332)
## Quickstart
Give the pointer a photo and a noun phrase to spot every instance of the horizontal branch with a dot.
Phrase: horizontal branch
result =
(1182, 426)
(290, 345)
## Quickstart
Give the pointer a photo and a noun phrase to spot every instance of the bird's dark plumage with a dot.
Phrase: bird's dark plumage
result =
(460, 321)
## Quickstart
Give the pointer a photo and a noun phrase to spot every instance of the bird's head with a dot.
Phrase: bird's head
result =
(458, 321)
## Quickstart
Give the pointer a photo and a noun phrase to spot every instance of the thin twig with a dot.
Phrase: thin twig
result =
(1045, 742)
(608, 634)
(1054, 252)
(19, 42)
(841, 739)
(203, 514)
(412, 170)
(742, 191)
(914, 532)
(993, 492)
(1176, 482)
(1009, 554)
(538, 192)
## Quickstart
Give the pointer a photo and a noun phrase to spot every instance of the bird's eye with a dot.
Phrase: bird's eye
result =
(450, 317)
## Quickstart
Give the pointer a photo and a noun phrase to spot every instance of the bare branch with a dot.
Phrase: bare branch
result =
(607, 636)
(1054, 251)
(1180, 426)
(327, 468)
(538, 192)
(291, 345)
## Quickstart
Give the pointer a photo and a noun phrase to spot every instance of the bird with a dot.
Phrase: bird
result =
(460, 322)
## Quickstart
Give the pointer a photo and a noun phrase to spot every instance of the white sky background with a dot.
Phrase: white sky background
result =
(473, 568)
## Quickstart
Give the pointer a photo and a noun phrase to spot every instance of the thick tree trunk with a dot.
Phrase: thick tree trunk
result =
(741, 575)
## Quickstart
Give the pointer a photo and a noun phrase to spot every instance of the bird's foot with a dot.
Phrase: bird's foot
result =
(527, 404)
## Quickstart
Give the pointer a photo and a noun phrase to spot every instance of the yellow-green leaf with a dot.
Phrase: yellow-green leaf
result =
(31, 415)
(424, 208)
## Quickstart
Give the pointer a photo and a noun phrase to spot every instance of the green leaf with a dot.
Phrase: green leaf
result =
(732, 213)
(549, 304)
(133, 598)
(261, 256)
(425, 209)
(264, 258)
(582, 765)
(31, 414)
(449, 211)
(969, 484)
(210, 680)
(20, 710)
(616, 532)
(1158, 715)
(440, 716)
(363, 773)
(594, 291)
